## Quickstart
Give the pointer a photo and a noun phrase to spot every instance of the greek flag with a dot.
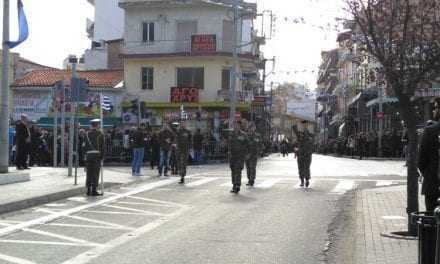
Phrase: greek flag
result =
(106, 104)
(22, 27)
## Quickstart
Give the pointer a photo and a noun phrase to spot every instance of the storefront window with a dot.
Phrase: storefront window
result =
(191, 77)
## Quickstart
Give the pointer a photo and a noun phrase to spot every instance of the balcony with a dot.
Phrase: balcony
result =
(181, 48)
(241, 96)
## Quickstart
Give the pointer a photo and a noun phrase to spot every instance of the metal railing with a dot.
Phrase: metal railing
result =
(177, 46)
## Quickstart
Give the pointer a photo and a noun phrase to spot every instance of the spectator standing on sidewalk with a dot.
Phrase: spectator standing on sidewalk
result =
(198, 146)
(166, 138)
(138, 145)
(23, 140)
(155, 150)
(429, 163)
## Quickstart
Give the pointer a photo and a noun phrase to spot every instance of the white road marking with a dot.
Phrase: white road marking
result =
(201, 182)
(5, 223)
(55, 205)
(114, 212)
(89, 220)
(78, 199)
(343, 187)
(36, 242)
(393, 217)
(162, 203)
(49, 234)
(134, 210)
(384, 183)
(51, 217)
(133, 203)
(86, 257)
(267, 183)
(15, 260)
(227, 184)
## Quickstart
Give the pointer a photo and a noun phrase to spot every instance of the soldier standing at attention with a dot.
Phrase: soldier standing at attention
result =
(255, 145)
(238, 150)
(304, 153)
(184, 144)
(94, 156)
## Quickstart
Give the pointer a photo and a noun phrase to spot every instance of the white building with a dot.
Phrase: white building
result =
(107, 26)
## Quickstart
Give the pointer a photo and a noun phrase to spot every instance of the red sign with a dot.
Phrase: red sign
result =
(380, 115)
(237, 116)
(184, 95)
(203, 43)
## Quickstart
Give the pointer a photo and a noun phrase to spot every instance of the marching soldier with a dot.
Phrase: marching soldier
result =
(255, 145)
(94, 156)
(304, 153)
(238, 144)
(184, 144)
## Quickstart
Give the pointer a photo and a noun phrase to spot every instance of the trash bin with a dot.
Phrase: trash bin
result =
(427, 232)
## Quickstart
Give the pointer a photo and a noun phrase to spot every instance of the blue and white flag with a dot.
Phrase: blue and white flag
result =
(22, 27)
(106, 104)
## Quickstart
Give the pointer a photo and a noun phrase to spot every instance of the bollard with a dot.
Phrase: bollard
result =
(437, 221)
(426, 223)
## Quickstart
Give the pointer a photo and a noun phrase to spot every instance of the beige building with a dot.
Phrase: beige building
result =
(181, 54)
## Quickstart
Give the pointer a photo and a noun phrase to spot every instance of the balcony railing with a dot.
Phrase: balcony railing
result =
(178, 46)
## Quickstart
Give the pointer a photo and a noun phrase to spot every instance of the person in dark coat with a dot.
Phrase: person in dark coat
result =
(23, 140)
(166, 138)
(429, 164)
(184, 144)
(238, 152)
(198, 146)
(305, 150)
(94, 157)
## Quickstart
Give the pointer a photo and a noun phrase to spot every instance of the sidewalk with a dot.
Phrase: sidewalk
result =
(379, 213)
(51, 184)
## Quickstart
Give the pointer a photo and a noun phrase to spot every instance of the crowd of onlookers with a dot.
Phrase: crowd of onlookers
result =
(365, 144)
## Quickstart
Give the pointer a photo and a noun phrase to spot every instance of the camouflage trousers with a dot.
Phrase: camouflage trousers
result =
(182, 163)
(304, 162)
(251, 168)
(236, 166)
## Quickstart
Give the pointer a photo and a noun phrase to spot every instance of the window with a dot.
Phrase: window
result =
(191, 77)
(226, 79)
(148, 32)
(147, 78)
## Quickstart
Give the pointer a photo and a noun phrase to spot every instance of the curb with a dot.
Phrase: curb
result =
(48, 198)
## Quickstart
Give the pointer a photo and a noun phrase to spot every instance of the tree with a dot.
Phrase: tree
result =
(404, 37)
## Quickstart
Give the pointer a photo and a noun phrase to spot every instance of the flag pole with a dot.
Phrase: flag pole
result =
(4, 111)
(101, 112)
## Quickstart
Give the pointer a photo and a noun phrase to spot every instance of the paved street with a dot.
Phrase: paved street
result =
(158, 221)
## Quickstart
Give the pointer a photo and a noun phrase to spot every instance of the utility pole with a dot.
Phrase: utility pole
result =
(380, 152)
(4, 115)
(233, 89)
(73, 105)
(63, 127)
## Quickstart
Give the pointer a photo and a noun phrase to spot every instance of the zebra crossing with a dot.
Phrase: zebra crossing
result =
(336, 186)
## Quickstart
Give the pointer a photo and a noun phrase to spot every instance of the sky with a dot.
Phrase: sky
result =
(58, 28)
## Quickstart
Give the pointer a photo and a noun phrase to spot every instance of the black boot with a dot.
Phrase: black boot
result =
(302, 183)
(182, 180)
(233, 189)
(307, 183)
(89, 191)
(94, 192)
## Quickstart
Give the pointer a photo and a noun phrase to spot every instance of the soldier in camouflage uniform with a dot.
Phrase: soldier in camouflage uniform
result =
(184, 143)
(238, 150)
(255, 146)
(94, 157)
(305, 149)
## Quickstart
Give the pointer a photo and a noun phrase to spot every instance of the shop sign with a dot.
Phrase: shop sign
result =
(184, 95)
(380, 115)
(203, 43)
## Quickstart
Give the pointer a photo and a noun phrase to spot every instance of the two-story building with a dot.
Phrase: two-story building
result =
(179, 53)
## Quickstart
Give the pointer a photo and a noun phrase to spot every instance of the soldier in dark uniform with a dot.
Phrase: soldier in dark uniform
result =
(184, 143)
(22, 141)
(238, 150)
(304, 153)
(255, 146)
(94, 156)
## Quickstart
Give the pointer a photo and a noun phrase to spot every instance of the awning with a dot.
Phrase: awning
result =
(386, 100)
(47, 122)
(355, 99)
(341, 129)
